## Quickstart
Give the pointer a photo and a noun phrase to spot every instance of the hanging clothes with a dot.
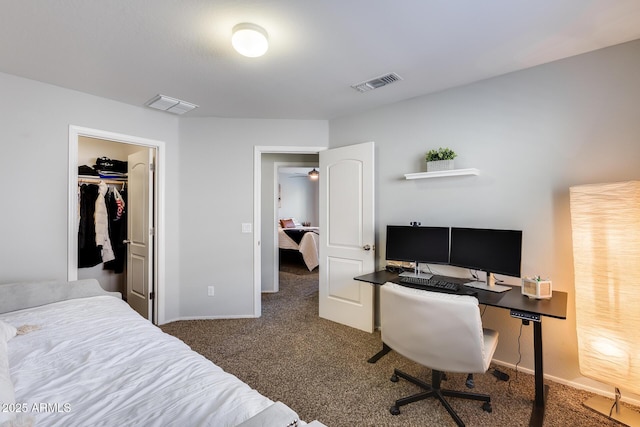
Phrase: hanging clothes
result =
(102, 224)
(89, 254)
(117, 210)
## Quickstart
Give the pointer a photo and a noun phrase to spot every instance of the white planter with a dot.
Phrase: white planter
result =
(440, 165)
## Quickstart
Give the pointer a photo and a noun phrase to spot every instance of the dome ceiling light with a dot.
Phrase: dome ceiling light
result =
(250, 40)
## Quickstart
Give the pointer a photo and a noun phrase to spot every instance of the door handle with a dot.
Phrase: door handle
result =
(126, 242)
(366, 247)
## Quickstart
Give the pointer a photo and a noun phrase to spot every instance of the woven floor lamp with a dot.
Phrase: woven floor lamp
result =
(605, 220)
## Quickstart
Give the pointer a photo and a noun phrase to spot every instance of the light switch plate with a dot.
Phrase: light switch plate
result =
(246, 227)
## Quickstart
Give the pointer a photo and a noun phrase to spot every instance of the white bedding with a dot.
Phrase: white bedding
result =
(308, 247)
(130, 373)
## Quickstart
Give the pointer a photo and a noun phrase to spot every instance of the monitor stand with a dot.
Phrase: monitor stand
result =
(416, 273)
(490, 286)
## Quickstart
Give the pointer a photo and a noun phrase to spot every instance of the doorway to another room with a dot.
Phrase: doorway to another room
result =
(347, 230)
(296, 214)
(274, 200)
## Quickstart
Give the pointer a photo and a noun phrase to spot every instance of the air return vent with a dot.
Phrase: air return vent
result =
(171, 105)
(377, 82)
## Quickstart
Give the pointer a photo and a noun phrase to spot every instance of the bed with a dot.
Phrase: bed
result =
(72, 354)
(305, 240)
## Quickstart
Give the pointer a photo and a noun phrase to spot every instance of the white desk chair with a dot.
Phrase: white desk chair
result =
(440, 331)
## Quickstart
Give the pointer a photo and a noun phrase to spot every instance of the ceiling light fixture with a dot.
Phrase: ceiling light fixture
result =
(250, 40)
(314, 174)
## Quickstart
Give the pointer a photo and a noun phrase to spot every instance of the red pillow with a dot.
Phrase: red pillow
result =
(287, 223)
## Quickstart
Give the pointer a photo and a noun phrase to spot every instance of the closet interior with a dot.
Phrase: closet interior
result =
(102, 211)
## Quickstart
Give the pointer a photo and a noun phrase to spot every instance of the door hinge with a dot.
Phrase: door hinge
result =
(152, 295)
(152, 167)
(152, 231)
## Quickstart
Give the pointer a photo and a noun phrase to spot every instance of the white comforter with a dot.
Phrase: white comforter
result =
(129, 373)
(308, 247)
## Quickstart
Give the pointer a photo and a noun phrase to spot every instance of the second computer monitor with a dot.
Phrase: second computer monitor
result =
(417, 244)
(491, 251)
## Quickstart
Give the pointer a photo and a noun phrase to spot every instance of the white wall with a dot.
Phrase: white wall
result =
(217, 197)
(532, 134)
(34, 141)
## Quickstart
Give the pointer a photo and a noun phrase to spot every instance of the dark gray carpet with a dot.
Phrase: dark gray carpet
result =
(319, 368)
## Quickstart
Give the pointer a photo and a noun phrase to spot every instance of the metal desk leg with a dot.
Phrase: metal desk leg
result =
(537, 414)
(385, 349)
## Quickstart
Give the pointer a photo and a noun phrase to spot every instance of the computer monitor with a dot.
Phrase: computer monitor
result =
(417, 244)
(491, 251)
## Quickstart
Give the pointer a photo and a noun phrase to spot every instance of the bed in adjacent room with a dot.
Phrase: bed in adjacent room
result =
(79, 356)
(306, 240)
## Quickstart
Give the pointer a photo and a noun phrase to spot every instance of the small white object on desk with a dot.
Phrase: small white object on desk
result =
(535, 287)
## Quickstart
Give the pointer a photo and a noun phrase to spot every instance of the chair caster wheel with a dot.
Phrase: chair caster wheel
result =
(469, 382)
(394, 410)
(486, 406)
(394, 378)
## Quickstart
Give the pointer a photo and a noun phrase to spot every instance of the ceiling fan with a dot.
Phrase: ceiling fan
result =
(312, 174)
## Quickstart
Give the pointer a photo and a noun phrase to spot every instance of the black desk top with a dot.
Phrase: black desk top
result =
(555, 307)
(378, 277)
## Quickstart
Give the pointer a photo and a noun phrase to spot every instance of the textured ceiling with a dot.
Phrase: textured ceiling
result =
(131, 50)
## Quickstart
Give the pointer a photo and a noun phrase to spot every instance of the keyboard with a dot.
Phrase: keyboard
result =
(434, 284)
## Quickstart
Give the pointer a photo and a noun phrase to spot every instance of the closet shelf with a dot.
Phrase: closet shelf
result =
(97, 179)
(441, 174)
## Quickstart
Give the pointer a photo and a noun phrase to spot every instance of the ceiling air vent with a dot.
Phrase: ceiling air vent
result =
(171, 105)
(377, 82)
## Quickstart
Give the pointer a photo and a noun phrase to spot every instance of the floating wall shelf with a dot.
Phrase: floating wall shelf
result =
(440, 174)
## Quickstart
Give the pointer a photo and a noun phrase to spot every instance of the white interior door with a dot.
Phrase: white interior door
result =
(347, 235)
(140, 232)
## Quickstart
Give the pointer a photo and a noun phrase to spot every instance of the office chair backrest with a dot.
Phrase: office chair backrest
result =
(441, 331)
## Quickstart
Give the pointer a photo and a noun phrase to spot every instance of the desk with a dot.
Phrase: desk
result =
(555, 307)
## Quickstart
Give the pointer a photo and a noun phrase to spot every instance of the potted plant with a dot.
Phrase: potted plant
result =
(440, 159)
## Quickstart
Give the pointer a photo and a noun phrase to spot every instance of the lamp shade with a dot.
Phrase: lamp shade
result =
(605, 221)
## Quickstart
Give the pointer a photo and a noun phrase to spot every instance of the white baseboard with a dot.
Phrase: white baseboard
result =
(237, 316)
(580, 383)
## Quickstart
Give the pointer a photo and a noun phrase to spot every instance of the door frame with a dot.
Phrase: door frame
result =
(258, 150)
(75, 132)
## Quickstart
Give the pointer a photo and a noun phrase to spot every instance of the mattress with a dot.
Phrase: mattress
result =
(95, 362)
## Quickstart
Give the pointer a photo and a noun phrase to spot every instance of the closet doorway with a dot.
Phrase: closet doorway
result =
(135, 272)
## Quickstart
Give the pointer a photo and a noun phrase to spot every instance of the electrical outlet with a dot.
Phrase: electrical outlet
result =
(210, 291)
